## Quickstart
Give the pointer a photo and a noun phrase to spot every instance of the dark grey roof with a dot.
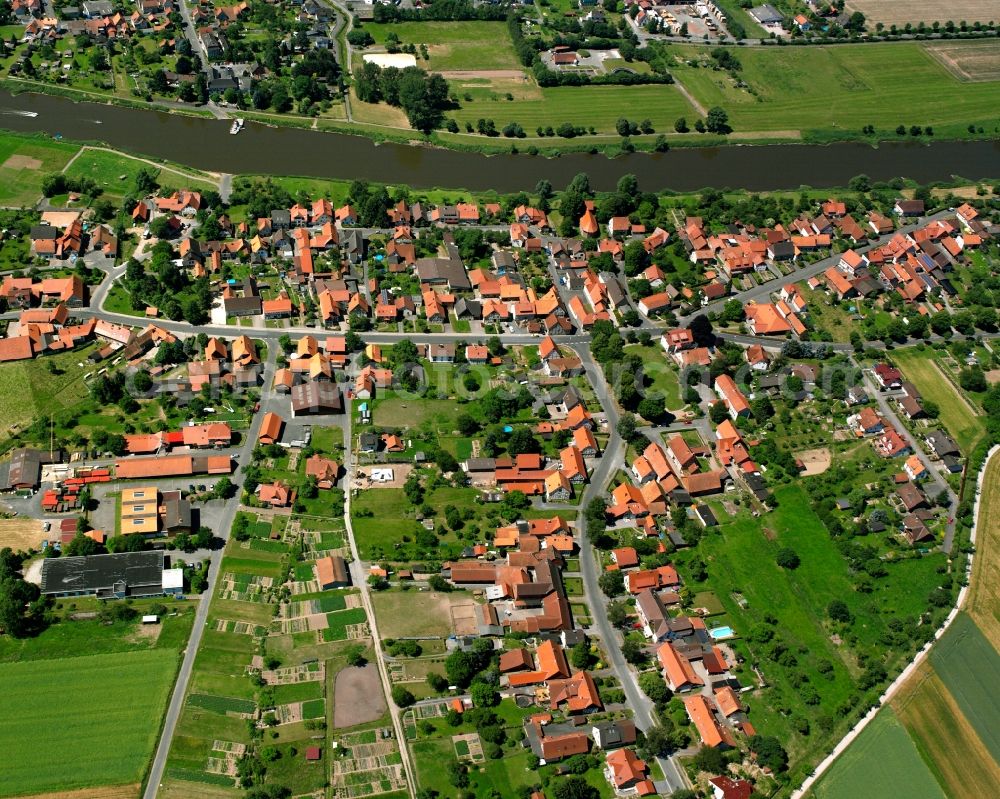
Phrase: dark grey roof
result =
(134, 573)
(443, 270)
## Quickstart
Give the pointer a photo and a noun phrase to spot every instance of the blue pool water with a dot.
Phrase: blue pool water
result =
(718, 633)
(508, 429)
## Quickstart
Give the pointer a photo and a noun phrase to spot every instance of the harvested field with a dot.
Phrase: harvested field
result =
(816, 461)
(20, 534)
(945, 738)
(969, 667)
(358, 697)
(107, 792)
(984, 588)
(976, 61)
(899, 12)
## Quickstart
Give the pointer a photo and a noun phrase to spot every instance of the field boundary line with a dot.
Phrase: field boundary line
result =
(918, 659)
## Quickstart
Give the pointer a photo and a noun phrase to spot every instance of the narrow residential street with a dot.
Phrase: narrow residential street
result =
(612, 459)
(359, 577)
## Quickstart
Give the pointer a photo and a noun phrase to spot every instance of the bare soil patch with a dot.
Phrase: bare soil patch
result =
(20, 534)
(488, 74)
(816, 461)
(22, 162)
(993, 376)
(463, 618)
(104, 792)
(357, 697)
(899, 12)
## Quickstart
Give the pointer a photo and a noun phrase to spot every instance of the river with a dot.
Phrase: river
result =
(260, 149)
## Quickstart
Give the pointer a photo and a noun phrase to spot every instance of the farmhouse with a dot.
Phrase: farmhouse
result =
(126, 574)
(331, 572)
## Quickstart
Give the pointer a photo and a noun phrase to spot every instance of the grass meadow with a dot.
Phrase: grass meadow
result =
(79, 722)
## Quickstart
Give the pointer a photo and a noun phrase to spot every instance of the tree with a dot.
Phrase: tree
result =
(710, 759)
(484, 695)
(402, 697)
(580, 656)
(653, 685)
(81, 545)
(837, 611)
(612, 583)
(717, 121)
(633, 651)
(574, 787)
(681, 125)
(618, 614)
(718, 413)
(769, 752)
(356, 656)
(522, 441)
(973, 379)
(461, 667)
(787, 558)
(652, 407)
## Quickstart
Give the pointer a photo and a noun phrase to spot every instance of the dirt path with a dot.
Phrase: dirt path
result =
(105, 792)
(489, 74)
(690, 98)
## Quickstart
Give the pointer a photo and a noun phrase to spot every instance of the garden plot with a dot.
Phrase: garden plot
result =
(369, 768)
(290, 675)
(223, 705)
(238, 627)
(246, 588)
(224, 757)
(468, 747)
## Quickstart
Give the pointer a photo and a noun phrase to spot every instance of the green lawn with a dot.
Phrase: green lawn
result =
(958, 417)
(454, 45)
(98, 712)
(841, 88)
(882, 761)
(412, 413)
(660, 375)
(24, 161)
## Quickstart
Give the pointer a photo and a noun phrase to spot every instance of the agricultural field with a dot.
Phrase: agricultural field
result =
(944, 737)
(969, 667)
(883, 761)
(97, 719)
(597, 106)
(843, 88)
(900, 12)
(959, 417)
(453, 46)
(24, 161)
(984, 587)
(972, 62)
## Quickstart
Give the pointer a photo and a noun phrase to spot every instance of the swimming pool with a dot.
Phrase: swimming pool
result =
(718, 633)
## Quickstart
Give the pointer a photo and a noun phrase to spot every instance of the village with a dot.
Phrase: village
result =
(483, 495)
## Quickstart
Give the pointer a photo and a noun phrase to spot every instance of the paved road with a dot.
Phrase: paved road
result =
(225, 523)
(359, 577)
(764, 290)
(935, 479)
(610, 461)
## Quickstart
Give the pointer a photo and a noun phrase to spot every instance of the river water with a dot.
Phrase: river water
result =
(260, 149)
